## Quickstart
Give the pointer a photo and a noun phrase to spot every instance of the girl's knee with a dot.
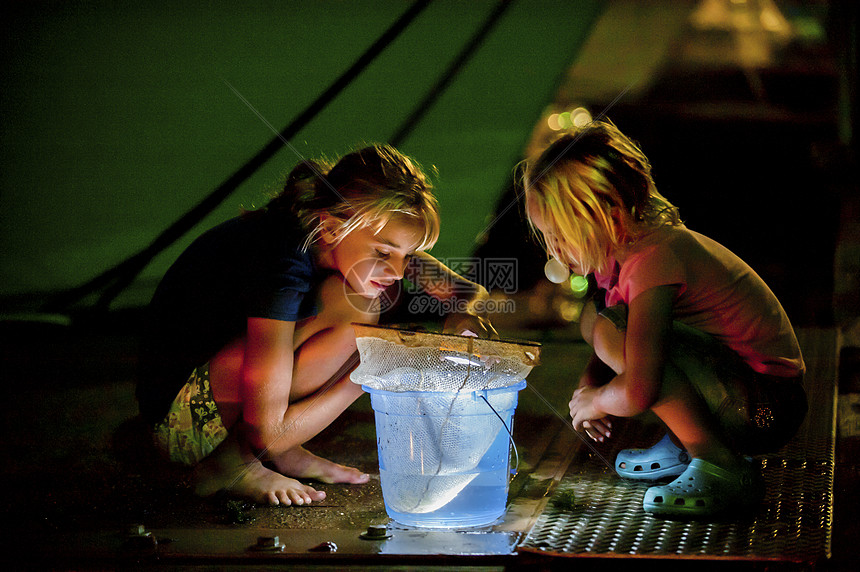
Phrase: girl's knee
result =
(586, 322)
(608, 343)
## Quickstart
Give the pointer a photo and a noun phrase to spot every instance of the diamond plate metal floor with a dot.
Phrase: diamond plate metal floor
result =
(792, 524)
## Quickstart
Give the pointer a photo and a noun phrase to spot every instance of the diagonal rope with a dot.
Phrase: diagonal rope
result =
(285, 141)
(453, 69)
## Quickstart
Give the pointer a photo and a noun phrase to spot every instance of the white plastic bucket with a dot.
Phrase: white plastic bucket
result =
(444, 457)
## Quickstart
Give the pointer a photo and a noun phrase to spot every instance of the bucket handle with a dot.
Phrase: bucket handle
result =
(483, 395)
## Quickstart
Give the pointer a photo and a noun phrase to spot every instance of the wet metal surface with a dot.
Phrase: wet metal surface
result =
(189, 545)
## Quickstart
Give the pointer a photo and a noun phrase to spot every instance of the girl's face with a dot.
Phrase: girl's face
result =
(549, 233)
(371, 262)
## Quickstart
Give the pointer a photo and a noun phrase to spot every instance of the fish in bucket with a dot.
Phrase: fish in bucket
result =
(444, 408)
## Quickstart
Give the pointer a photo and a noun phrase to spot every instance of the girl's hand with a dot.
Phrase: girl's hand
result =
(440, 282)
(598, 429)
(469, 324)
(585, 415)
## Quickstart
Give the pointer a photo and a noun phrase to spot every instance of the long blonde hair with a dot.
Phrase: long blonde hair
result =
(365, 188)
(594, 188)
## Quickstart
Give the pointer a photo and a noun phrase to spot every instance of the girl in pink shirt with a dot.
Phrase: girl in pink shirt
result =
(683, 327)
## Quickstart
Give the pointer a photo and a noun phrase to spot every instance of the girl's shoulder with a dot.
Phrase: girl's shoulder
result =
(661, 236)
(683, 246)
(664, 250)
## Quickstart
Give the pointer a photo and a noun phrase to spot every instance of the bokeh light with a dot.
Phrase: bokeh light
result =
(555, 271)
(577, 117)
(570, 310)
(579, 285)
(580, 117)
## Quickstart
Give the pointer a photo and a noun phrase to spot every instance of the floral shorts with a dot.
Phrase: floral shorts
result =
(193, 426)
(758, 413)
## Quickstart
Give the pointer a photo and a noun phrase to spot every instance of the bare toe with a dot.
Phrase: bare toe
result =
(275, 499)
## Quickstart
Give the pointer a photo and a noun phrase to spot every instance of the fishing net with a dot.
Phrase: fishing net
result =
(437, 399)
(402, 360)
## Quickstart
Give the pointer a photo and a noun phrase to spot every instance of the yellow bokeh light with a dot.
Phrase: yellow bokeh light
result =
(570, 311)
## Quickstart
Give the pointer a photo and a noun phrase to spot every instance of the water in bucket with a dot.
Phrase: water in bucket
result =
(444, 408)
(444, 458)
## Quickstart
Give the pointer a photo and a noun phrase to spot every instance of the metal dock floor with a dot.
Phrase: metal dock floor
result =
(77, 502)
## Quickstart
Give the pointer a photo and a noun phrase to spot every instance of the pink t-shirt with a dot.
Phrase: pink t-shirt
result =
(718, 294)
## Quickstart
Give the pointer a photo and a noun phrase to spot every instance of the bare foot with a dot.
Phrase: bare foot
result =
(301, 463)
(256, 483)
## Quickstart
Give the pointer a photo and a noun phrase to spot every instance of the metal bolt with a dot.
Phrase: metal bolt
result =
(375, 532)
(138, 530)
(268, 544)
(139, 539)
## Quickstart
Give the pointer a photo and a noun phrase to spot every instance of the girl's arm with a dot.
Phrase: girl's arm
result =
(270, 423)
(467, 298)
(637, 388)
(266, 378)
(596, 373)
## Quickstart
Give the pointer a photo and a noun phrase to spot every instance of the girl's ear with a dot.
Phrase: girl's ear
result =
(329, 228)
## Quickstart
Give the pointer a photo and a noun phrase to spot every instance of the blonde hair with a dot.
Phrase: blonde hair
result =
(594, 188)
(366, 188)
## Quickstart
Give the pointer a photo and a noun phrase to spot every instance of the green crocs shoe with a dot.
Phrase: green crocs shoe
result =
(665, 459)
(705, 489)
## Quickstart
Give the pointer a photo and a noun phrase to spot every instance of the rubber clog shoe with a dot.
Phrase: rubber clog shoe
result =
(665, 459)
(705, 489)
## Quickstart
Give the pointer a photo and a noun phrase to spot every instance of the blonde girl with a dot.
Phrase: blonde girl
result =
(680, 326)
(249, 343)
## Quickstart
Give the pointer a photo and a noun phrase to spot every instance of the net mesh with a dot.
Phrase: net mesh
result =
(400, 360)
(437, 425)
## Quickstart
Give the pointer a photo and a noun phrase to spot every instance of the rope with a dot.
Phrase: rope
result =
(453, 69)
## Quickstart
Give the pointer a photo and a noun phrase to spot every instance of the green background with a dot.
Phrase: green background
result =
(118, 117)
